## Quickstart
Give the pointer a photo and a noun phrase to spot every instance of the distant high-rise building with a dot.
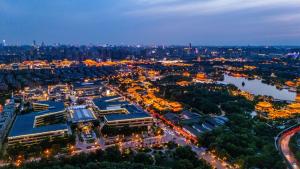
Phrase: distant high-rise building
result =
(199, 59)
(34, 43)
(196, 51)
(189, 50)
(3, 42)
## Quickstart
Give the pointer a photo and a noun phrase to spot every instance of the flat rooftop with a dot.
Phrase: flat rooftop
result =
(118, 117)
(116, 102)
(110, 105)
(53, 106)
(82, 115)
(108, 98)
(191, 130)
(105, 103)
(86, 85)
(133, 109)
(133, 113)
(25, 124)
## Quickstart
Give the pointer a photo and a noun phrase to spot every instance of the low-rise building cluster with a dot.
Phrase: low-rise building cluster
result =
(54, 116)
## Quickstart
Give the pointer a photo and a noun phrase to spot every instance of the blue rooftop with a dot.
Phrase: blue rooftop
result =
(24, 124)
(105, 102)
(112, 101)
(114, 117)
(53, 107)
(189, 115)
(132, 109)
(86, 85)
(107, 99)
(192, 130)
(200, 128)
(106, 105)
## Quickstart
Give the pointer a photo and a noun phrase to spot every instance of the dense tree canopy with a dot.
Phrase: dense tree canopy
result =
(208, 98)
(246, 142)
(112, 158)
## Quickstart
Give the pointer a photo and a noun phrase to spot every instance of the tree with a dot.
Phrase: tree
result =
(92, 165)
(71, 139)
(55, 148)
(159, 159)
(16, 150)
(112, 154)
(143, 158)
(70, 167)
(185, 153)
(171, 145)
(183, 164)
(231, 107)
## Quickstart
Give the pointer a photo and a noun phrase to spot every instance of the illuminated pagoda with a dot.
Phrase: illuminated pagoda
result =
(186, 74)
(264, 107)
(201, 76)
(294, 107)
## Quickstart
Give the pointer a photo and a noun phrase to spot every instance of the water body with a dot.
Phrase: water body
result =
(256, 87)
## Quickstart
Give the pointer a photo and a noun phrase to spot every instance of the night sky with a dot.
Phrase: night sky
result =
(148, 22)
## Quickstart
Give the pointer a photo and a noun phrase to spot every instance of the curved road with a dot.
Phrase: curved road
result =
(283, 145)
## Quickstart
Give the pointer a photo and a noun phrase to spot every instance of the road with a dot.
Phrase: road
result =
(178, 138)
(200, 151)
(283, 145)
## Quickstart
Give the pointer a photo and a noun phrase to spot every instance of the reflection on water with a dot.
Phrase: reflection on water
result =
(256, 87)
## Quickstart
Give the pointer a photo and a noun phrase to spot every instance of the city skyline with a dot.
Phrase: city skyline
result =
(168, 22)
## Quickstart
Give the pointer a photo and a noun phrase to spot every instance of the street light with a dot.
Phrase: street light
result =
(47, 152)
